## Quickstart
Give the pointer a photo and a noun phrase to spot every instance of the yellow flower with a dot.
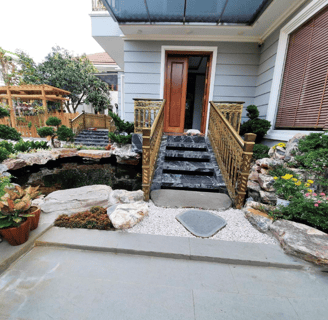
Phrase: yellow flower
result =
(309, 190)
(281, 145)
(310, 181)
(298, 183)
(294, 179)
(307, 185)
(287, 176)
(275, 178)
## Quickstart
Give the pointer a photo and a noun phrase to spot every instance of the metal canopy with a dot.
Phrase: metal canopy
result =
(244, 12)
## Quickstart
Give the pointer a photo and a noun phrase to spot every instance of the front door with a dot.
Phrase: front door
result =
(176, 76)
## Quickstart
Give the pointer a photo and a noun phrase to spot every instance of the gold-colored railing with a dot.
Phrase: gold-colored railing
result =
(90, 120)
(97, 5)
(145, 112)
(232, 111)
(232, 153)
(151, 142)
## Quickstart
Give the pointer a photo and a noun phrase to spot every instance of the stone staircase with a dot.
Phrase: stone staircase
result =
(98, 138)
(187, 163)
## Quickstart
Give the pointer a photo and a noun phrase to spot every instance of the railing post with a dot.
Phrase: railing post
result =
(146, 163)
(83, 117)
(71, 123)
(244, 169)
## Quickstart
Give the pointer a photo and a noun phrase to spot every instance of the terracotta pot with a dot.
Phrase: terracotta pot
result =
(36, 211)
(17, 235)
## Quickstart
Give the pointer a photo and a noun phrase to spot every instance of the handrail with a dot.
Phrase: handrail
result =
(145, 112)
(151, 141)
(232, 153)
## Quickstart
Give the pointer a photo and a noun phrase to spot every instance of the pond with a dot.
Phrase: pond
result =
(67, 173)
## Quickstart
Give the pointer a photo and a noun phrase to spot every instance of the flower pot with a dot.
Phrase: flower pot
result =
(282, 202)
(36, 211)
(17, 235)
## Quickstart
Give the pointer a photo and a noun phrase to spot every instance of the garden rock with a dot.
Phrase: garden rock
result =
(94, 154)
(268, 163)
(3, 168)
(302, 241)
(292, 145)
(41, 157)
(74, 200)
(14, 164)
(128, 215)
(124, 196)
(254, 176)
(266, 182)
(268, 197)
(260, 220)
(65, 152)
(125, 152)
(252, 185)
(277, 153)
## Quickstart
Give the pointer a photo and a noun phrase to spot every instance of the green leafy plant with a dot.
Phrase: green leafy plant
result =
(7, 145)
(4, 153)
(260, 151)
(4, 183)
(29, 124)
(122, 125)
(9, 133)
(280, 170)
(255, 125)
(119, 138)
(311, 210)
(95, 218)
(4, 112)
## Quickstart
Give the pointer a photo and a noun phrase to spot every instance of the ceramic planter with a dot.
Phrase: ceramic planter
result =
(17, 235)
(36, 211)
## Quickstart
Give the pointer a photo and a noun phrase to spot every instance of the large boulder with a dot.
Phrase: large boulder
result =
(124, 196)
(70, 201)
(260, 220)
(268, 163)
(41, 157)
(128, 215)
(302, 241)
(292, 145)
(14, 164)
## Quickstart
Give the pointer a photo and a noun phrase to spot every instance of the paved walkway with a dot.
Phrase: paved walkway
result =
(91, 274)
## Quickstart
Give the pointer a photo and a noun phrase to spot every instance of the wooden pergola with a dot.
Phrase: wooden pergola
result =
(42, 92)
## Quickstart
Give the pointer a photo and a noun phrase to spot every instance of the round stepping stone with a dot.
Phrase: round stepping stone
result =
(201, 223)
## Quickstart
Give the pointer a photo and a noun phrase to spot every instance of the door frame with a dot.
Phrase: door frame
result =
(191, 50)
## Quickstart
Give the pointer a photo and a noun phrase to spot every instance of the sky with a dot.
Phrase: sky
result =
(35, 26)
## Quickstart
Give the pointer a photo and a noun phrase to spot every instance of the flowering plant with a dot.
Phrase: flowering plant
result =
(280, 144)
(289, 187)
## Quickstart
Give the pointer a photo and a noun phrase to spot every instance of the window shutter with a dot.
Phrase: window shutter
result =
(304, 92)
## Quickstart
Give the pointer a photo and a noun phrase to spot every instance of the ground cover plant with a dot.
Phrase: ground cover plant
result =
(95, 218)
(260, 151)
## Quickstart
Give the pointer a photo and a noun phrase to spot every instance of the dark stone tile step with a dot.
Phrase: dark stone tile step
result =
(187, 154)
(89, 139)
(187, 145)
(186, 139)
(188, 166)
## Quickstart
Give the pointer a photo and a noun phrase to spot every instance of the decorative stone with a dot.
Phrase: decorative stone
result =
(264, 171)
(14, 164)
(268, 163)
(74, 200)
(128, 215)
(65, 152)
(260, 220)
(94, 154)
(252, 185)
(41, 157)
(254, 176)
(266, 182)
(292, 145)
(3, 168)
(268, 197)
(201, 223)
(193, 132)
(136, 142)
(125, 152)
(124, 196)
(38, 201)
(302, 241)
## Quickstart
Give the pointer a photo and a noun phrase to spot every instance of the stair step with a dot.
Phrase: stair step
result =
(188, 166)
(186, 145)
(90, 139)
(186, 139)
(198, 155)
(183, 181)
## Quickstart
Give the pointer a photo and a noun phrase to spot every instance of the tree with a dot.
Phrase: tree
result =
(75, 74)
(8, 67)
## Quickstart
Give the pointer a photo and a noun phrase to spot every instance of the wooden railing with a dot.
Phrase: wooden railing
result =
(232, 153)
(145, 112)
(97, 5)
(89, 120)
(232, 111)
(151, 142)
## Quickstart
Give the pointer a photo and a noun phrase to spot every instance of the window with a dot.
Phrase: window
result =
(303, 99)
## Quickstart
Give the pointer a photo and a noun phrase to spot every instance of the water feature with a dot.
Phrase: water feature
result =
(66, 173)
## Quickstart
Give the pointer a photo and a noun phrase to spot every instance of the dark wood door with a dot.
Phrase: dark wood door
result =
(176, 77)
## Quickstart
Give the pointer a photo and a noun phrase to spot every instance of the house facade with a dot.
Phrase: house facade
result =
(268, 53)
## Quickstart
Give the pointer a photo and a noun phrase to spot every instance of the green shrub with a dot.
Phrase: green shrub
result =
(29, 124)
(9, 133)
(7, 145)
(311, 210)
(119, 138)
(4, 183)
(39, 145)
(260, 151)
(122, 125)
(255, 125)
(4, 112)
(65, 134)
(280, 171)
(4, 153)
(22, 146)
(45, 132)
(53, 121)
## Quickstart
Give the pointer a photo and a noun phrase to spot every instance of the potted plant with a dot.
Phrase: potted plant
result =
(17, 217)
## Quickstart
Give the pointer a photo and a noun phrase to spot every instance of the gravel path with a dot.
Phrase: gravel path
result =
(161, 221)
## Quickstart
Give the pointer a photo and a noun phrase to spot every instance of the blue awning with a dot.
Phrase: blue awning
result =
(243, 12)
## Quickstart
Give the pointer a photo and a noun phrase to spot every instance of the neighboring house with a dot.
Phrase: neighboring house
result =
(107, 72)
(269, 53)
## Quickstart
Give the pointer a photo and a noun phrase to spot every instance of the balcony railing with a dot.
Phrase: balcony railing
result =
(97, 5)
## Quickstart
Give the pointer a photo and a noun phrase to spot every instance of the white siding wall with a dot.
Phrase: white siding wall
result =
(235, 79)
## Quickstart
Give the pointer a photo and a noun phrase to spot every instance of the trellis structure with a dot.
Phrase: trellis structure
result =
(41, 92)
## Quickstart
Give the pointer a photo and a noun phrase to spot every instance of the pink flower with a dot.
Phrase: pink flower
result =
(319, 201)
(322, 194)
(316, 205)
(307, 194)
(314, 194)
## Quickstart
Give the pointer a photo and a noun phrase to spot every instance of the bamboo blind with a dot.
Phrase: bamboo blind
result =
(304, 91)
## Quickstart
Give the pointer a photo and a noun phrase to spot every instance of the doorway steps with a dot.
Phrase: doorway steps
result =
(187, 163)
(98, 138)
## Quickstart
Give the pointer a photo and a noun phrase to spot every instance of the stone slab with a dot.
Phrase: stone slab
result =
(201, 223)
(170, 247)
(191, 199)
